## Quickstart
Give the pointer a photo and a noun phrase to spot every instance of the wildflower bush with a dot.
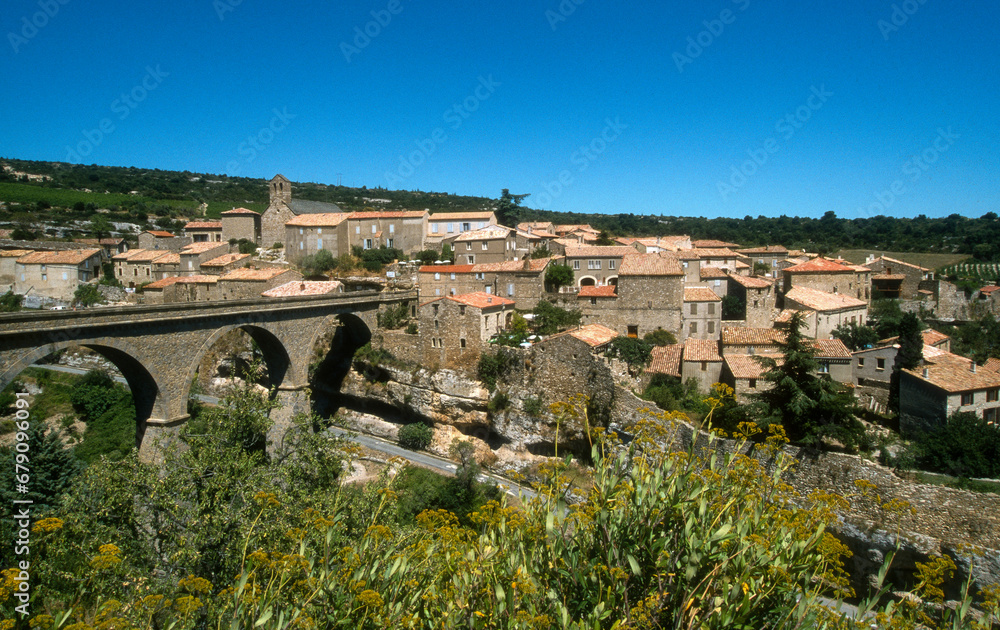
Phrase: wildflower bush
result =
(702, 538)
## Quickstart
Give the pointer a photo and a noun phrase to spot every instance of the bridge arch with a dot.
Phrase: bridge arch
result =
(273, 350)
(143, 380)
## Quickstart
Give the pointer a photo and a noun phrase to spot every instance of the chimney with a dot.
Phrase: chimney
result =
(302, 286)
(972, 367)
(927, 373)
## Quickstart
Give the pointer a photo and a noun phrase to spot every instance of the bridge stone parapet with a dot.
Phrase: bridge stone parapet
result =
(158, 348)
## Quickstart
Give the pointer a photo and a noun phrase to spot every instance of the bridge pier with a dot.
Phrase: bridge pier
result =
(154, 437)
(293, 400)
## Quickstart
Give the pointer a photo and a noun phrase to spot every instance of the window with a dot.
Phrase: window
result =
(300, 231)
(434, 342)
(593, 264)
(461, 309)
(488, 289)
(368, 243)
(302, 245)
(392, 228)
(319, 230)
(992, 395)
(990, 415)
(824, 367)
(45, 276)
(968, 398)
(43, 267)
(65, 276)
(471, 258)
(593, 300)
(466, 227)
(485, 246)
(434, 228)
(390, 242)
(437, 291)
(437, 324)
(437, 276)
(576, 264)
(755, 303)
(694, 308)
(435, 307)
(880, 364)
(480, 275)
(718, 283)
(482, 224)
(711, 308)
(510, 289)
(451, 228)
(704, 366)
(753, 383)
(633, 332)
(357, 229)
(468, 247)
(461, 342)
(711, 327)
(861, 362)
(452, 275)
(373, 228)
(694, 328)
(319, 243)
(611, 265)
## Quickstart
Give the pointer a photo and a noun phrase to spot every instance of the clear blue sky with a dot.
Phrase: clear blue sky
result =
(678, 108)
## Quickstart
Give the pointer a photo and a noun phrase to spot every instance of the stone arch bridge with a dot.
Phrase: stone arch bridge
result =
(159, 348)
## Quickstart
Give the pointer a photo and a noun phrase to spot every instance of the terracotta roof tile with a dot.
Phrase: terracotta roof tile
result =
(831, 349)
(162, 283)
(200, 248)
(819, 265)
(701, 350)
(303, 287)
(822, 301)
(203, 225)
(169, 258)
(713, 273)
(770, 249)
(785, 316)
(198, 279)
(714, 252)
(446, 268)
(666, 360)
(739, 336)
(598, 251)
(746, 366)
(933, 337)
(14, 253)
(752, 282)
(992, 364)
(710, 244)
(160, 233)
(989, 289)
(700, 294)
(605, 291)
(650, 265)
(225, 259)
(253, 275)
(896, 261)
(487, 233)
(62, 257)
(456, 216)
(388, 214)
(953, 374)
(594, 335)
(322, 219)
(239, 211)
(481, 299)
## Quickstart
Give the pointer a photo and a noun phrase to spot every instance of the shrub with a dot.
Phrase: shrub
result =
(10, 302)
(492, 366)
(87, 295)
(246, 246)
(635, 352)
(416, 436)
(558, 276)
(411, 328)
(660, 337)
(498, 402)
(277, 245)
(393, 317)
(533, 406)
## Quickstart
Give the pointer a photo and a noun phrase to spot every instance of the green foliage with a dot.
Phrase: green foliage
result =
(376, 259)
(550, 319)
(52, 467)
(87, 295)
(809, 407)
(447, 253)
(95, 393)
(411, 328)
(10, 302)
(557, 276)
(427, 256)
(246, 246)
(498, 402)
(635, 352)
(492, 366)
(604, 239)
(541, 252)
(415, 436)
(966, 447)
(318, 263)
(660, 337)
(761, 268)
(508, 208)
(885, 316)
(856, 336)
(978, 338)
(394, 317)
(533, 406)
(733, 307)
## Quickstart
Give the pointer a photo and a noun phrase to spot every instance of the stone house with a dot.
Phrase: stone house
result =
(491, 244)
(135, 267)
(823, 274)
(241, 224)
(897, 279)
(757, 295)
(740, 340)
(527, 243)
(770, 255)
(665, 360)
(442, 225)
(520, 280)
(56, 274)
(160, 239)
(306, 234)
(713, 244)
(176, 289)
(282, 208)
(111, 246)
(989, 298)
(945, 384)
(720, 258)
(167, 265)
(702, 362)
(657, 244)
(204, 231)
(195, 254)
(545, 227)
(716, 279)
(404, 230)
(442, 280)
(597, 337)
(831, 309)
(872, 367)
(595, 265)
(745, 373)
(835, 360)
(8, 267)
(701, 316)
(225, 263)
(249, 283)
(454, 325)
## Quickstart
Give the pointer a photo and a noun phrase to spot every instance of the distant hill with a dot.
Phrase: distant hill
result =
(33, 192)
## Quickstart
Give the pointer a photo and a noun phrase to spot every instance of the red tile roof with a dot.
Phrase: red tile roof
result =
(203, 225)
(752, 282)
(701, 350)
(63, 257)
(169, 258)
(303, 287)
(713, 273)
(594, 335)
(953, 374)
(819, 265)
(487, 233)
(598, 251)
(822, 301)
(481, 300)
(225, 259)
(238, 211)
(388, 214)
(605, 291)
(989, 289)
(660, 264)
(200, 248)
(710, 244)
(770, 249)
(535, 264)
(321, 219)
(933, 337)
(700, 294)
(739, 336)
(162, 283)
(746, 366)
(666, 360)
(160, 233)
(831, 349)
(713, 252)
(253, 275)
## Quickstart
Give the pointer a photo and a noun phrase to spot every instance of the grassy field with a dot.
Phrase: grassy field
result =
(929, 260)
